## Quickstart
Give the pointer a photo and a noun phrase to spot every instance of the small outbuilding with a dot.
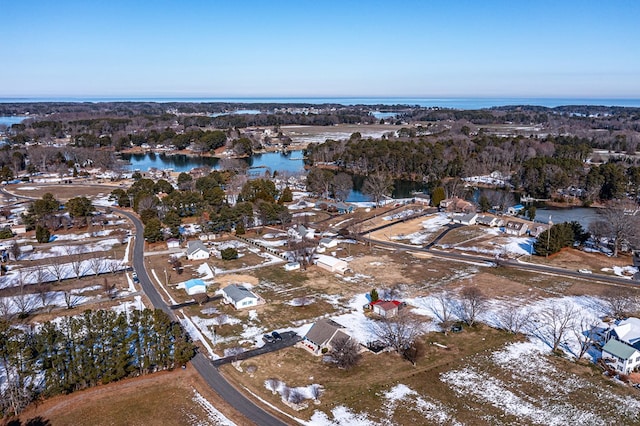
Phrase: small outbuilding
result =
(386, 308)
(173, 243)
(331, 264)
(195, 286)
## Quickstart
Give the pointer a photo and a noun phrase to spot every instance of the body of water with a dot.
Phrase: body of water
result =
(258, 163)
(443, 102)
(10, 120)
(583, 215)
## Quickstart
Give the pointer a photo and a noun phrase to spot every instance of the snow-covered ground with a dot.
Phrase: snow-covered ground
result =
(535, 391)
(430, 226)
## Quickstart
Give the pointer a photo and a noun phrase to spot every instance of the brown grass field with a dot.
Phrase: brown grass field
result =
(165, 398)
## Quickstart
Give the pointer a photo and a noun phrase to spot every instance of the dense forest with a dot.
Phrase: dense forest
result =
(94, 348)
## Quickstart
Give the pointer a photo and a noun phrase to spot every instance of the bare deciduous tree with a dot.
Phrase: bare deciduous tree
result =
(272, 384)
(302, 301)
(296, 397)
(56, 268)
(554, 322)
(96, 264)
(14, 250)
(473, 303)
(316, 391)
(398, 332)
(23, 300)
(512, 319)
(108, 288)
(442, 308)
(77, 262)
(345, 352)
(622, 221)
(71, 300)
(414, 352)
(585, 329)
(619, 301)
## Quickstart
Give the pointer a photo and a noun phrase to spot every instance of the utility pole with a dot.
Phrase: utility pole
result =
(549, 235)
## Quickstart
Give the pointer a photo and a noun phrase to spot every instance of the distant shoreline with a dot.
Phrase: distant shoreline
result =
(442, 102)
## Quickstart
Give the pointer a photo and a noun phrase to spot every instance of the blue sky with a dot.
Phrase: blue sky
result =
(423, 48)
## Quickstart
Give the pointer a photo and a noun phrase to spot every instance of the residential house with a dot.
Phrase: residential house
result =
(622, 350)
(196, 250)
(327, 242)
(491, 221)
(515, 210)
(323, 334)
(300, 232)
(513, 227)
(465, 219)
(331, 264)
(194, 286)
(386, 308)
(456, 204)
(239, 296)
(424, 199)
(340, 207)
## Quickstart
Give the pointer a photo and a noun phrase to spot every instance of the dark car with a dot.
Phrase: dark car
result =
(135, 277)
(276, 335)
(268, 338)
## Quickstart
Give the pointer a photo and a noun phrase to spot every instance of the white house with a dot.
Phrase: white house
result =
(327, 242)
(239, 296)
(490, 221)
(516, 228)
(331, 264)
(465, 219)
(196, 250)
(622, 350)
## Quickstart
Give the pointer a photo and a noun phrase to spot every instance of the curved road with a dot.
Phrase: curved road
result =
(201, 363)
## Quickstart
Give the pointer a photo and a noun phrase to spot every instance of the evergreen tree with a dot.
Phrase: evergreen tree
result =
(43, 235)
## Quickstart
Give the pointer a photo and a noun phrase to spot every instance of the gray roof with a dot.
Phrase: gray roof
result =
(619, 349)
(237, 292)
(323, 331)
(194, 246)
(485, 220)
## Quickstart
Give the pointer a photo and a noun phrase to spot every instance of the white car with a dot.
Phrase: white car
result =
(585, 271)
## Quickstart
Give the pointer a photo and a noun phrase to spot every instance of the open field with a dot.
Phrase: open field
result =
(315, 134)
(166, 398)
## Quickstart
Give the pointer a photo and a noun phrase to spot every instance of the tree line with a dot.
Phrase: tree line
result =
(97, 347)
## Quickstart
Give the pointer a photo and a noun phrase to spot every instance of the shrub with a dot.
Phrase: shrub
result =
(229, 253)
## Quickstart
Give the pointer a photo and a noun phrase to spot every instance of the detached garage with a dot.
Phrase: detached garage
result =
(332, 264)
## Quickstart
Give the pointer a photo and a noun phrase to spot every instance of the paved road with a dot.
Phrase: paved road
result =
(201, 363)
(531, 267)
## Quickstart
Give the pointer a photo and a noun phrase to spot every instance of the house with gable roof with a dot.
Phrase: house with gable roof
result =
(239, 296)
(622, 350)
(386, 308)
(196, 250)
(513, 227)
(323, 334)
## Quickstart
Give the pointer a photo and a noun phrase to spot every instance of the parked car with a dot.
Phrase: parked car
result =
(276, 335)
(135, 277)
(585, 271)
(267, 338)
